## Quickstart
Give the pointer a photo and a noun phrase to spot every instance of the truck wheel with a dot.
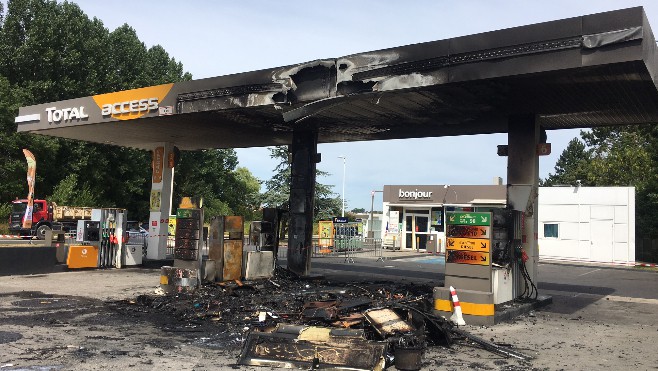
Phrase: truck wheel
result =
(41, 231)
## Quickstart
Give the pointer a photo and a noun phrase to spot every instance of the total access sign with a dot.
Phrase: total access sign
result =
(132, 104)
(123, 105)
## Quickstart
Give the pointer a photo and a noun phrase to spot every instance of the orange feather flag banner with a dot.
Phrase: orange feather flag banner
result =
(31, 177)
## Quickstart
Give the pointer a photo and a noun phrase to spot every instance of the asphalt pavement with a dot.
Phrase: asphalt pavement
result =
(601, 318)
(554, 277)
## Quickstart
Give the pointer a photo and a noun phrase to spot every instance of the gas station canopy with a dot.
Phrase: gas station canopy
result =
(588, 71)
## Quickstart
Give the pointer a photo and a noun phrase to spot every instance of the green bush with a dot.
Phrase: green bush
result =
(4, 212)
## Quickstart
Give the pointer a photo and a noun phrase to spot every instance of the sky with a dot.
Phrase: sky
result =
(215, 38)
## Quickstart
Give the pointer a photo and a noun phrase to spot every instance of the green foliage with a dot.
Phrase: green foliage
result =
(212, 175)
(251, 196)
(70, 192)
(620, 157)
(52, 51)
(277, 189)
(572, 165)
(4, 212)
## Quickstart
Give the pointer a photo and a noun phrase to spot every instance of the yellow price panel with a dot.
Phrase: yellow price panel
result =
(469, 244)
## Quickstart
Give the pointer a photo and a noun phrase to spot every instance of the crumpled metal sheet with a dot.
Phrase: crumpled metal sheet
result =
(387, 322)
(613, 37)
(313, 347)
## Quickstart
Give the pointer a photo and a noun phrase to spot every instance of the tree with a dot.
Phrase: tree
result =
(213, 175)
(620, 156)
(277, 189)
(52, 51)
(572, 165)
(251, 193)
(70, 193)
(358, 210)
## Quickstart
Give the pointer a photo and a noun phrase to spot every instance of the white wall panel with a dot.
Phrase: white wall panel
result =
(558, 249)
(551, 213)
(568, 231)
(585, 232)
(585, 214)
(621, 214)
(596, 223)
(584, 248)
(621, 253)
(600, 212)
(621, 233)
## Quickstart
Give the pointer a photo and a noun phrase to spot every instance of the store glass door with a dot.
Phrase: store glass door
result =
(417, 229)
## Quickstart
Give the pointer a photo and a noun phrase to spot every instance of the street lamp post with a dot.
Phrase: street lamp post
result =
(343, 198)
(371, 224)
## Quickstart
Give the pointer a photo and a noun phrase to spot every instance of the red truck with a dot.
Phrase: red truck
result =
(45, 216)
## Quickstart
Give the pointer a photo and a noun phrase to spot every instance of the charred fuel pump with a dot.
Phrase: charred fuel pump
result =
(508, 251)
(509, 275)
(264, 234)
(261, 235)
(503, 237)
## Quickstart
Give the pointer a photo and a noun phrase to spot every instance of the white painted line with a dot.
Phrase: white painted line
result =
(618, 299)
(624, 299)
(595, 270)
(389, 266)
(27, 118)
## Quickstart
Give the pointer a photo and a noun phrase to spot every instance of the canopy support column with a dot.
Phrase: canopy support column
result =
(304, 151)
(162, 184)
(523, 169)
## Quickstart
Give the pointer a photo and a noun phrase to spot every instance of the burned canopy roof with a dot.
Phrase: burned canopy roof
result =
(579, 72)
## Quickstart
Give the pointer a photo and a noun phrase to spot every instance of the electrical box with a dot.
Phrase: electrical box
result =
(503, 287)
(431, 246)
(133, 255)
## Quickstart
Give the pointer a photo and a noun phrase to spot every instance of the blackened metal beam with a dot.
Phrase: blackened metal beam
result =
(304, 150)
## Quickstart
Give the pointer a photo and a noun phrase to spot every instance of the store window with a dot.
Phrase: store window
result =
(437, 219)
(551, 230)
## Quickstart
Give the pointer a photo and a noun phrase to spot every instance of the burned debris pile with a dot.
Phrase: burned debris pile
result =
(288, 321)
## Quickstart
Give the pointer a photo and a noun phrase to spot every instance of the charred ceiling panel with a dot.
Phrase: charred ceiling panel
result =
(312, 81)
(572, 73)
(227, 98)
(287, 85)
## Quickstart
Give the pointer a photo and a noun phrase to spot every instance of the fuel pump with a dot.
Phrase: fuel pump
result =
(506, 240)
(100, 240)
(509, 258)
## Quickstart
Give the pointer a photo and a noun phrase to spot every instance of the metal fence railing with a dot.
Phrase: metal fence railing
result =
(341, 248)
(338, 248)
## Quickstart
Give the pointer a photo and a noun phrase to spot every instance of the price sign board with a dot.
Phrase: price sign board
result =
(467, 257)
(463, 218)
(468, 231)
(469, 244)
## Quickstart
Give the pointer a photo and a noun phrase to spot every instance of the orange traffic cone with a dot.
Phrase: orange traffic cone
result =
(456, 317)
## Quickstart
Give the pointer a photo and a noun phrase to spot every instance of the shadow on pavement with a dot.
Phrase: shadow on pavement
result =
(568, 299)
